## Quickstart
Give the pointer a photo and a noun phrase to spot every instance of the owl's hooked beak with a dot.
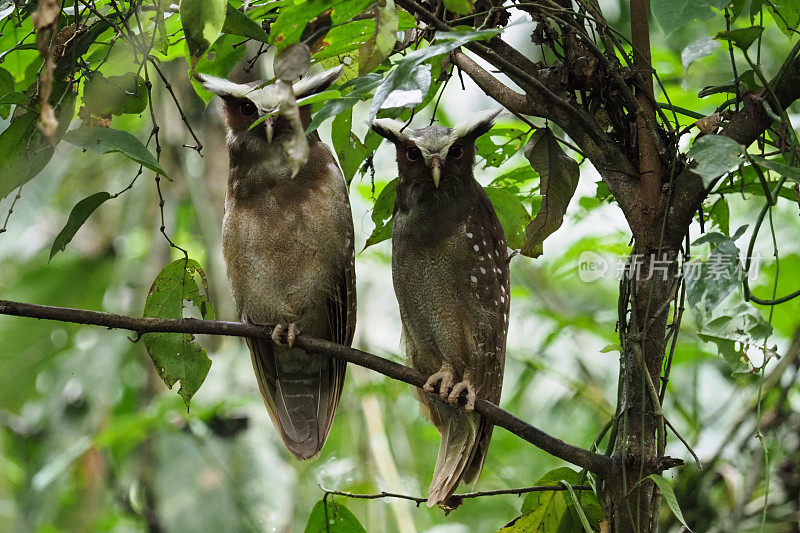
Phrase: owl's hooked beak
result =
(436, 170)
(269, 128)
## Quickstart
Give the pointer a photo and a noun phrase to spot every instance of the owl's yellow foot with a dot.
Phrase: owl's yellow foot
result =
(444, 377)
(460, 387)
(291, 333)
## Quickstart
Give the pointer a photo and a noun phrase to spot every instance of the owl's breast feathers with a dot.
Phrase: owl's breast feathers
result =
(451, 277)
(290, 244)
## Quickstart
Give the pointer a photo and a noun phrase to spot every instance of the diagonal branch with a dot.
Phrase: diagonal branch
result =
(744, 127)
(593, 462)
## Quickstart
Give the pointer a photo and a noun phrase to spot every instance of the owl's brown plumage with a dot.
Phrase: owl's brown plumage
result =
(450, 273)
(288, 247)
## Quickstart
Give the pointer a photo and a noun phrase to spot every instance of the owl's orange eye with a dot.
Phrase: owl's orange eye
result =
(413, 153)
(247, 108)
(455, 151)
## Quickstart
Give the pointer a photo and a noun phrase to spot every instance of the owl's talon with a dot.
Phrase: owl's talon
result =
(445, 378)
(291, 334)
(460, 387)
(277, 333)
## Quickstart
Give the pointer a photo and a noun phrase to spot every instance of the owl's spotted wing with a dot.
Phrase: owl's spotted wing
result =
(490, 287)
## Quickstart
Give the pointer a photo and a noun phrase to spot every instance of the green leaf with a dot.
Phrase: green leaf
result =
(115, 95)
(106, 140)
(379, 46)
(25, 151)
(559, 175)
(708, 283)
(741, 38)
(349, 149)
(344, 39)
(462, 7)
(202, 22)
(405, 68)
(176, 356)
(785, 13)
(715, 155)
(293, 19)
(512, 215)
(577, 506)
(674, 14)
(79, 214)
(382, 214)
(788, 172)
(332, 517)
(237, 23)
(669, 497)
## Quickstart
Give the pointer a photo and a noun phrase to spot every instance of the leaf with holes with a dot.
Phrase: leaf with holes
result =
(202, 22)
(512, 215)
(669, 497)
(382, 214)
(329, 516)
(715, 155)
(79, 214)
(107, 140)
(176, 356)
(558, 175)
(289, 26)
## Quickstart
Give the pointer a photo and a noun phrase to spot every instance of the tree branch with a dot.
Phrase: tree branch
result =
(744, 127)
(593, 462)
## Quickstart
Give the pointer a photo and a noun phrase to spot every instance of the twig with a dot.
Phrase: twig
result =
(467, 495)
(595, 463)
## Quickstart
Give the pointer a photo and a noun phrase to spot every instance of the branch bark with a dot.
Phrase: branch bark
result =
(593, 462)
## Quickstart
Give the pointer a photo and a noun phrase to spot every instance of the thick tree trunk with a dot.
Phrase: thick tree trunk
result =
(647, 291)
(645, 297)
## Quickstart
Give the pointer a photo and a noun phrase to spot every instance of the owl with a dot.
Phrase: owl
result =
(450, 274)
(287, 239)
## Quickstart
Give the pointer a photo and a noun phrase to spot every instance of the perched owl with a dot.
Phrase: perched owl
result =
(450, 273)
(287, 239)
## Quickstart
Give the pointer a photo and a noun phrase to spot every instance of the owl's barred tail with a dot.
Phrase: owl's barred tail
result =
(301, 392)
(465, 440)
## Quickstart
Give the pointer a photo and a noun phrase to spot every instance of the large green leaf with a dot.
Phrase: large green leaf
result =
(512, 215)
(79, 214)
(107, 140)
(202, 22)
(674, 14)
(559, 175)
(344, 39)
(669, 497)
(25, 152)
(115, 95)
(462, 7)
(332, 517)
(382, 214)
(237, 23)
(715, 156)
(379, 46)
(555, 511)
(349, 148)
(176, 356)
